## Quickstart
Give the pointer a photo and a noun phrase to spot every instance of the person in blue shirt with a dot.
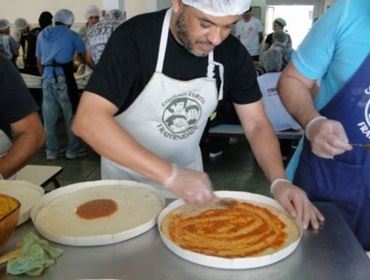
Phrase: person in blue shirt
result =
(328, 165)
(55, 49)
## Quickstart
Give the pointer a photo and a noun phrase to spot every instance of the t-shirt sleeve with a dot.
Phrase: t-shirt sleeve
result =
(243, 86)
(268, 39)
(316, 51)
(16, 102)
(117, 69)
(79, 44)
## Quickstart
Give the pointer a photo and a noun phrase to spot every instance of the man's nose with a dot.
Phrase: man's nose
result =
(216, 36)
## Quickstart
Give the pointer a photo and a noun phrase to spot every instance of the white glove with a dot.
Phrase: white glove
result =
(327, 137)
(192, 186)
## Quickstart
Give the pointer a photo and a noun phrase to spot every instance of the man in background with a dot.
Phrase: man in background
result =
(92, 16)
(249, 31)
(8, 45)
(55, 50)
(99, 34)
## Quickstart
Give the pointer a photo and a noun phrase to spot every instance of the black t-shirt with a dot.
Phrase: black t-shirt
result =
(31, 39)
(16, 102)
(129, 60)
(269, 40)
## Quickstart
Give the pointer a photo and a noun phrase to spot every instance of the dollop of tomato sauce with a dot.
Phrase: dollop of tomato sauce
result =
(97, 208)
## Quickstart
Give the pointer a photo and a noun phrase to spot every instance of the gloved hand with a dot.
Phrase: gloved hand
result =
(192, 186)
(296, 203)
(327, 137)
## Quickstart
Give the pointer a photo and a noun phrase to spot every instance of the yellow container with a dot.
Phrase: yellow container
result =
(9, 215)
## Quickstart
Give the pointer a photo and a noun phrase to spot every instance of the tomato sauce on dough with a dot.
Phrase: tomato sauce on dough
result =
(97, 208)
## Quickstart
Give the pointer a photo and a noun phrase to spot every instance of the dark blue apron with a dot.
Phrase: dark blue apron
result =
(344, 180)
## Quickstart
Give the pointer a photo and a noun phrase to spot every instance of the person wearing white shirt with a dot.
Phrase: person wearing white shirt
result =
(249, 31)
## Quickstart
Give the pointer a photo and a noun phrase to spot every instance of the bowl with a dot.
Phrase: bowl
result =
(9, 215)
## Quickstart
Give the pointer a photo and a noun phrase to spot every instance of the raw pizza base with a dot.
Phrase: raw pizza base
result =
(193, 228)
(27, 193)
(136, 206)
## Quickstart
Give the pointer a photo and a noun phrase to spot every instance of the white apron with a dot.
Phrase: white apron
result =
(169, 116)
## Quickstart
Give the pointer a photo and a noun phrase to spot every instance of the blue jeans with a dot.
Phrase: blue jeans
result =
(55, 100)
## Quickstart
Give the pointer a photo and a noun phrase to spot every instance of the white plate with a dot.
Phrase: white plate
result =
(27, 193)
(219, 262)
(87, 234)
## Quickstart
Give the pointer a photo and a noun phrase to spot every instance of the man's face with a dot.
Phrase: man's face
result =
(247, 16)
(92, 20)
(276, 27)
(201, 33)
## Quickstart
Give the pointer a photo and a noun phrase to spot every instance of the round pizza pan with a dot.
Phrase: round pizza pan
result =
(99, 239)
(227, 263)
(27, 193)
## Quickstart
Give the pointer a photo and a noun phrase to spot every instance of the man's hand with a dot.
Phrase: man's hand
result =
(297, 204)
(327, 137)
(192, 186)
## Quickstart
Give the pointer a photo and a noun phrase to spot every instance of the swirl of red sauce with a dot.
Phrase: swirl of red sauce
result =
(240, 230)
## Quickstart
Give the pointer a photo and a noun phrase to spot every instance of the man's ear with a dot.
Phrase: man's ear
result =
(176, 5)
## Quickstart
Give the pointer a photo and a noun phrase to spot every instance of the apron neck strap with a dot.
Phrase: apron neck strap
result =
(162, 52)
(211, 73)
(163, 41)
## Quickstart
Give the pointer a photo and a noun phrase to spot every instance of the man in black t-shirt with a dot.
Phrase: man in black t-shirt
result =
(18, 112)
(155, 69)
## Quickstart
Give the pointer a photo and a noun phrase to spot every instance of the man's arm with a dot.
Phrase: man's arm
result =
(29, 137)
(39, 65)
(327, 137)
(260, 37)
(265, 147)
(94, 122)
(295, 92)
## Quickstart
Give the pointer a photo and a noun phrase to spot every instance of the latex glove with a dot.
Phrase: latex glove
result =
(296, 203)
(192, 186)
(327, 137)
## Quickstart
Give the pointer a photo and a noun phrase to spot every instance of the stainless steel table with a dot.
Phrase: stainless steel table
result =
(332, 253)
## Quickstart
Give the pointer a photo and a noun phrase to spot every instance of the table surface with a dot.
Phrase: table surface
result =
(332, 253)
(38, 174)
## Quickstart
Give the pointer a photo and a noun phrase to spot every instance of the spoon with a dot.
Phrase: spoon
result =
(365, 146)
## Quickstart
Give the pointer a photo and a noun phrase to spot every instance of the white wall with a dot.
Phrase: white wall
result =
(31, 9)
(135, 7)
(162, 4)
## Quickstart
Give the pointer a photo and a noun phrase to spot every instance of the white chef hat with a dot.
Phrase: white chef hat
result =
(64, 16)
(220, 7)
(91, 11)
(4, 24)
(20, 24)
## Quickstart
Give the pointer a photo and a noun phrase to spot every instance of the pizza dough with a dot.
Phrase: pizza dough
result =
(134, 206)
(232, 230)
(27, 193)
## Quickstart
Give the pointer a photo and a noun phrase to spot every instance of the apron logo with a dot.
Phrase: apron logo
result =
(367, 113)
(364, 126)
(181, 114)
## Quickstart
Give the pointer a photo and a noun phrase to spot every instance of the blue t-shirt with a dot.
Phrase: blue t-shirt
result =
(332, 51)
(58, 43)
